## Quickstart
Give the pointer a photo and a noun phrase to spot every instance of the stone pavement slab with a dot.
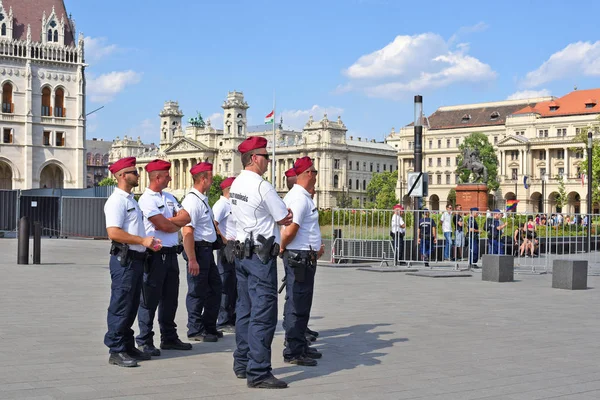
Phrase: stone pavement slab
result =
(383, 336)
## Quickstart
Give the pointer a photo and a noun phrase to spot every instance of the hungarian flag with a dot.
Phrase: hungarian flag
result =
(511, 205)
(270, 117)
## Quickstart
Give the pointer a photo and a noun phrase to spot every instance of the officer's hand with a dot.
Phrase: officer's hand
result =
(152, 243)
(321, 251)
(288, 218)
(193, 267)
(419, 241)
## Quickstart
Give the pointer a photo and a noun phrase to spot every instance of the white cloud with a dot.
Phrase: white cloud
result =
(296, 119)
(576, 59)
(106, 86)
(528, 94)
(216, 120)
(97, 48)
(414, 63)
(465, 30)
(148, 130)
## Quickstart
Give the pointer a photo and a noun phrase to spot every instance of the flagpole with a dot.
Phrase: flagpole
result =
(274, 161)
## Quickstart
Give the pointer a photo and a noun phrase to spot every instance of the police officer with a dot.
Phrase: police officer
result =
(398, 231)
(258, 210)
(163, 218)
(199, 236)
(495, 245)
(427, 236)
(301, 246)
(473, 232)
(226, 224)
(124, 225)
(459, 236)
(290, 178)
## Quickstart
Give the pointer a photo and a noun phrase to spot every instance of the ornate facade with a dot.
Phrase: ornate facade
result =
(42, 83)
(534, 138)
(345, 166)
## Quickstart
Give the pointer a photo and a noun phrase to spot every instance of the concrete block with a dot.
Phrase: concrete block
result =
(498, 268)
(570, 274)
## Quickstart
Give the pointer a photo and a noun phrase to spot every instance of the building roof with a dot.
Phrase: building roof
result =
(573, 103)
(486, 115)
(31, 11)
(370, 145)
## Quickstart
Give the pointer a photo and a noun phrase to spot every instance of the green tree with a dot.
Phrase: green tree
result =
(487, 155)
(582, 137)
(561, 197)
(452, 197)
(214, 192)
(343, 200)
(108, 182)
(382, 189)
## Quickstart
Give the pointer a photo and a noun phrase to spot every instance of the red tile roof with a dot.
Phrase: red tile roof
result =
(31, 12)
(573, 103)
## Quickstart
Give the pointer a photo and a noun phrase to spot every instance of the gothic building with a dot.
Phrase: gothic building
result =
(345, 165)
(42, 85)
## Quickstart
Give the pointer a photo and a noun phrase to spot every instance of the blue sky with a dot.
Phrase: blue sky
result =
(361, 59)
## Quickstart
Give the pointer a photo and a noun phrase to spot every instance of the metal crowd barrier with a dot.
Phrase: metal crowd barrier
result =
(534, 239)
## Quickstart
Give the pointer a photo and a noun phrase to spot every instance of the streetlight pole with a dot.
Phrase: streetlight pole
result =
(589, 189)
(543, 208)
(418, 154)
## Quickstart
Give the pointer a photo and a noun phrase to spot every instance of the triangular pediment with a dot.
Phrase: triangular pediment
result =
(513, 140)
(184, 145)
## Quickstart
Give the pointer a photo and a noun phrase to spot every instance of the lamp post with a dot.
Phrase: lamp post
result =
(589, 189)
(543, 205)
(418, 154)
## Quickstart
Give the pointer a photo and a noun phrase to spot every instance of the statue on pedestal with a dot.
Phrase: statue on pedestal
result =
(472, 162)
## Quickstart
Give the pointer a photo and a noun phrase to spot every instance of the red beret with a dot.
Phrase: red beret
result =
(158, 165)
(227, 182)
(201, 167)
(302, 164)
(122, 163)
(398, 207)
(290, 172)
(253, 142)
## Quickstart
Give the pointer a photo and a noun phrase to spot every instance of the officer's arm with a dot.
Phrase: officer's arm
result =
(181, 219)
(161, 223)
(119, 235)
(188, 242)
(288, 234)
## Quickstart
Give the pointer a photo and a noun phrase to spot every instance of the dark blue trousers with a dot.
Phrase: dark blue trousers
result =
(229, 291)
(125, 292)
(296, 311)
(473, 250)
(256, 317)
(162, 292)
(204, 294)
(495, 246)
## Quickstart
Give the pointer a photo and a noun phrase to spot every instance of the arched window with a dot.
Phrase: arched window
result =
(56, 36)
(7, 97)
(105, 159)
(229, 129)
(336, 182)
(49, 35)
(357, 185)
(240, 130)
(349, 184)
(46, 109)
(59, 102)
(3, 32)
(98, 159)
(89, 158)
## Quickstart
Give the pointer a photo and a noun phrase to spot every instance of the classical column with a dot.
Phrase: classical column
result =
(567, 166)
(548, 166)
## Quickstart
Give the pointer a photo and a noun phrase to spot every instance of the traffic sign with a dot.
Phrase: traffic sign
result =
(417, 183)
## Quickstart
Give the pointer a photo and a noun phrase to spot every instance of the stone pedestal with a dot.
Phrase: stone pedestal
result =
(498, 268)
(569, 274)
(470, 195)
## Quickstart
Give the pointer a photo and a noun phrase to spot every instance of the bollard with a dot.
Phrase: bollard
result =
(23, 241)
(37, 242)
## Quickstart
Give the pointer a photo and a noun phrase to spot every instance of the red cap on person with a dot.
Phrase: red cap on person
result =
(290, 173)
(158, 165)
(398, 207)
(252, 143)
(122, 163)
(227, 182)
(302, 164)
(201, 167)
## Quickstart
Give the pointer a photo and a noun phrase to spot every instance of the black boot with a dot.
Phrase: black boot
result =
(122, 360)
(175, 344)
(269, 383)
(136, 354)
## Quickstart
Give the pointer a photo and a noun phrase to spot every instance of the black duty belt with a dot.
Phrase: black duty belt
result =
(203, 243)
(170, 250)
(136, 255)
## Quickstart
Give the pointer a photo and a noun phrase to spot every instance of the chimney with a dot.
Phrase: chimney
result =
(351, 138)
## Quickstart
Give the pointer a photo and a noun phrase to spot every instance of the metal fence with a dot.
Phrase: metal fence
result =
(83, 217)
(9, 204)
(535, 240)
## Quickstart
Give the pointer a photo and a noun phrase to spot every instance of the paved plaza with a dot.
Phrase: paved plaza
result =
(383, 336)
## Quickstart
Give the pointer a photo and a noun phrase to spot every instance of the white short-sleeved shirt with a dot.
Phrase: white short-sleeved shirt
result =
(306, 216)
(196, 204)
(122, 211)
(154, 203)
(224, 217)
(256, 207)
(446, 222)
(397, 222)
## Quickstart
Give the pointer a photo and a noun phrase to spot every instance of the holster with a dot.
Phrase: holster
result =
(267, 250)
(300, 262)
(229, 251)
(121, 251)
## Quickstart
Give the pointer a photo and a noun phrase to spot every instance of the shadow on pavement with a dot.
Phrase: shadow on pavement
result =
(343, 349)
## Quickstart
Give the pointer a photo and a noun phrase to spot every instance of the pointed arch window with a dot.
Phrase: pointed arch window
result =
(46, 107)
(59, 103)
(7, 98)
(3, 30)
(240, 130)
(56, 36)
(49, 35)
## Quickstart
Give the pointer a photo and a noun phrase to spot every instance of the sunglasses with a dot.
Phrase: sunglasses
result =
(314, 171)
(134, 172)
(266, 156)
